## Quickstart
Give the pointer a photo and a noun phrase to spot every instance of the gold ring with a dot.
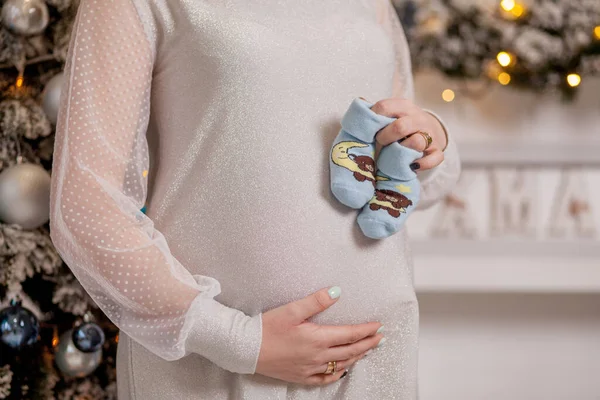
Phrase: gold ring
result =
(331, 366)
(427, 137)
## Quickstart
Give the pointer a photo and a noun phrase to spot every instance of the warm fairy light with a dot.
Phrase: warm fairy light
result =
(504, 59)
(55, 338)
(517, 10)
(573, 80)
(512, 8)
(507, 5)
(597, 32)
(117, 338)
(504, 78)
(145, 173)
(19, 82)
(448, 95)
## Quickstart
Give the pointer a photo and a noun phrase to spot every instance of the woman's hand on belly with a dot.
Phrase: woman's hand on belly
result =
(298, 351)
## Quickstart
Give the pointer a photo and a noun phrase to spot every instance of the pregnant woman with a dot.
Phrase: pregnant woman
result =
(244, 278)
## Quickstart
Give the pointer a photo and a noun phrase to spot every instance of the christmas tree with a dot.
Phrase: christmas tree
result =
(538, 45)
(54, 341)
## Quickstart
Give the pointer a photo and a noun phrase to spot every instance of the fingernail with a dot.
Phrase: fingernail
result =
(380, 329)
(368, 352)
(381, 342)
(334, 292)
(415, 166)
(344, 374)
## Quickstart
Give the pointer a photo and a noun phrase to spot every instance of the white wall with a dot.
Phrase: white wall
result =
(512, 317)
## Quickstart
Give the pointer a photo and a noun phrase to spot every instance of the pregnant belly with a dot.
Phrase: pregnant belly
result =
(265, 271)
(259, 274)
(375, 276)
(269, 251)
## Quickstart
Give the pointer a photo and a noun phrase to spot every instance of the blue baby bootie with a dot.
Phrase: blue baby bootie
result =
(351, 162)
(396, 192)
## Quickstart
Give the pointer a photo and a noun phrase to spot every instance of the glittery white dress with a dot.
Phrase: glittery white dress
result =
(218, 115)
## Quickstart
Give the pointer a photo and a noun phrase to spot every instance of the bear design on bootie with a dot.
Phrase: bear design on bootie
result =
(396, 192)
(393, 202)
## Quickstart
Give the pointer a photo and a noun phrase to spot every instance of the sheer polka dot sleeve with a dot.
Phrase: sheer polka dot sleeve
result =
(438, 181)
(99, 185)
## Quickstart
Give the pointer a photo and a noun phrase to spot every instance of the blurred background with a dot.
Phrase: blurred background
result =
(507, 267)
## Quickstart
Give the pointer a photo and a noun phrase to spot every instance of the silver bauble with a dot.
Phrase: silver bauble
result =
(25, 195)
(51, 96)
(25, 17)
(73, 362)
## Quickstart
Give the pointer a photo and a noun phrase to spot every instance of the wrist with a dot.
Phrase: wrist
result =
(442, 132)
(225, 336)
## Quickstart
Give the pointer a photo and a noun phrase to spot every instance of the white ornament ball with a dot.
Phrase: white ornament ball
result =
(73, 362)
(25, 195)
(25, 17)
(51, 97)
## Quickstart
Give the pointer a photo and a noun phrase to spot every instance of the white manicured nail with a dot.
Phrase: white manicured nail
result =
(334, 292)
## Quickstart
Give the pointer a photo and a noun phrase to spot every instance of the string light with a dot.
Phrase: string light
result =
(517, 10)
(448, 95)
(573, 80)
(504, 59)
(597, 32)
(507, 5)
(54, 336)
(19, 82)
(512, 8)
(504, 78)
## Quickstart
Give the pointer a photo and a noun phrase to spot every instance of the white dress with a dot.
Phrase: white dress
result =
(218, 116)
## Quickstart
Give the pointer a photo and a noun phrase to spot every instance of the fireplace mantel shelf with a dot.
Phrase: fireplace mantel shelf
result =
(524, 265)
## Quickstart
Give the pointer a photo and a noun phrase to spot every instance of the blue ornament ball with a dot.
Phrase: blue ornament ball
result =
(18, 326)
(88, 337)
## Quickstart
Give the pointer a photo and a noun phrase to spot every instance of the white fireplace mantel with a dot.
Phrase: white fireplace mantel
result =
(507, 266)
(513, 129)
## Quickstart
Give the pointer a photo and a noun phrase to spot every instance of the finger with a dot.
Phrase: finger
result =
(322, 379)
(430, 160)
(415, 141)
(315, 303)
(345, 334)
(397, 130)
(394, 107)
(343, 364)
(348, 351)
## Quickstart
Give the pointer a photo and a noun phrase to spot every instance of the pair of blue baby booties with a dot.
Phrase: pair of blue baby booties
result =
(387, 190)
